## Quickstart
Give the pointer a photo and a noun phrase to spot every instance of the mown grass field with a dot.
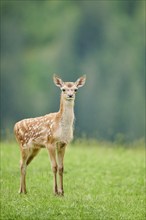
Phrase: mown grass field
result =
(101, 182)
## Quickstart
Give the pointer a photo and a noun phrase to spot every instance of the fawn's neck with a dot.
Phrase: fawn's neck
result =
(66, 112)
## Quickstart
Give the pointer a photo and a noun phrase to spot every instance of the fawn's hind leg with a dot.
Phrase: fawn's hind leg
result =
(23, 165)
(27, 156)
(34, 151)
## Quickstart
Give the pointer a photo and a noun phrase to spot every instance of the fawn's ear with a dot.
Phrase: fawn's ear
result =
(81, 81)
(58, 81)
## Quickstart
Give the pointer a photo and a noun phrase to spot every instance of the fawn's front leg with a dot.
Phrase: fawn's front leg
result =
(52, 154)
(60, 154)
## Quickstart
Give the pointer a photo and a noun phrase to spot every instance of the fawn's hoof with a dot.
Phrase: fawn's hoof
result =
(60, 193)
(22, 191)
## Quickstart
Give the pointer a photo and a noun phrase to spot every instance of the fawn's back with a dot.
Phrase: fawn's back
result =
(37, 131)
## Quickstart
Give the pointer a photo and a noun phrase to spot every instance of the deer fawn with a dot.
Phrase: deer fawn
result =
(52, 131)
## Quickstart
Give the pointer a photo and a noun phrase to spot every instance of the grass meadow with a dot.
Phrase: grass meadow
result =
(102, 181)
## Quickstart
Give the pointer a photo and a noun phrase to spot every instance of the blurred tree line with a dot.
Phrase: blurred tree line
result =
(103, 39)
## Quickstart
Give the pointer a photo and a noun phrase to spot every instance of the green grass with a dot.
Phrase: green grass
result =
(101, 182)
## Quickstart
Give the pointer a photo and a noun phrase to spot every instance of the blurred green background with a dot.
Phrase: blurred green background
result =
(103, 39)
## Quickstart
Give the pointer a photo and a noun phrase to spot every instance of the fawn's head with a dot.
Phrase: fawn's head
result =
(69, 89)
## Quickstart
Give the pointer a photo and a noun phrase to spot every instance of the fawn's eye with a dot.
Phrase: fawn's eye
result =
(75, 90)
(63, 90)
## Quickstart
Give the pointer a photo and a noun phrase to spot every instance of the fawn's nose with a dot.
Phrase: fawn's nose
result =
(70, 96)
